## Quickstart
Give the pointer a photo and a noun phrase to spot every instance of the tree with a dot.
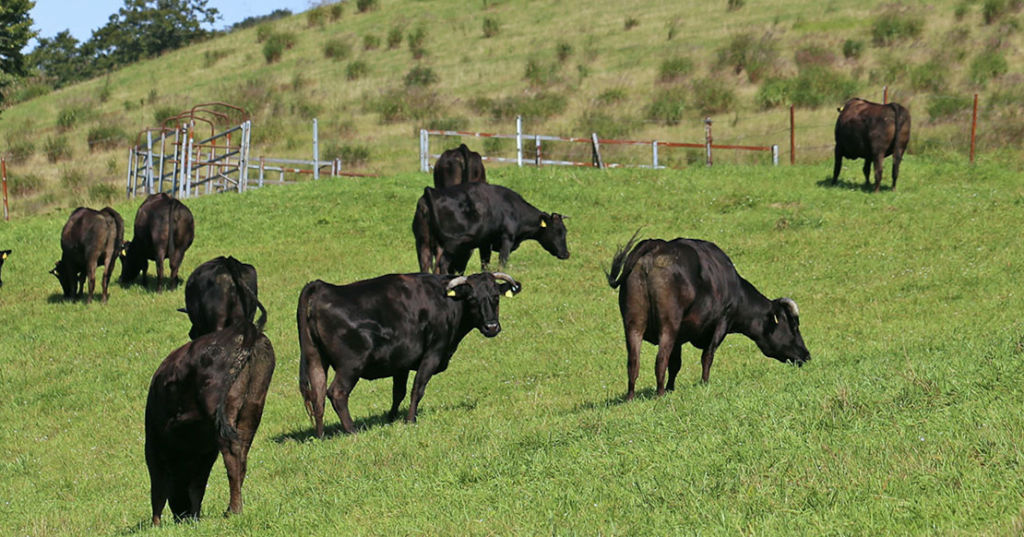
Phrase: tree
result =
(146, 28)
(15, 31)
(59, 59)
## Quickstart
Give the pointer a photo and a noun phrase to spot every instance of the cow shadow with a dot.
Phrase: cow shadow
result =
(841, 184)
(145, 524)
(150, 284)
(639, 395)
(334, 429)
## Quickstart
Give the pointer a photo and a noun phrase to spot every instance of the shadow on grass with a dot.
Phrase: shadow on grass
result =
(149, 284)
(850, 185)
(639, 395)
(363, 424)
(139, 527)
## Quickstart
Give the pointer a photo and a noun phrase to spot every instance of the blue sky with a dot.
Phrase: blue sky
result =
(82, 17)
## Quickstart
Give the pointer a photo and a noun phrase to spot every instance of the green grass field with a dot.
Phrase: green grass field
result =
(906, 421)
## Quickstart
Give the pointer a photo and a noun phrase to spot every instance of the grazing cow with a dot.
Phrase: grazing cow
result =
(90, 238)
(206, 396)
(871, 131)
(387, 327)
(3, 257)
(459, 165)
(686, 290)
(480, 215)
(164, 229)
(218, 293)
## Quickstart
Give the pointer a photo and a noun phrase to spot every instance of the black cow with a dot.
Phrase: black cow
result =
(221, 292)
(459, 165)
(3, 257)
(90, 238)
(164, 229)
(480, 215)
(206, 396)
(687, 290)
(387, 327)
(871, 131)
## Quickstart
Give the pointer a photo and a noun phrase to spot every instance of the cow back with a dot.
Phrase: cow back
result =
(221, 292)
(864, 128)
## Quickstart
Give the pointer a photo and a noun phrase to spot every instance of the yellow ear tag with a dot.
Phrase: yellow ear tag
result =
(509, 293)
(543, 223)
(451, 292)
(776, 317)
(5, 255)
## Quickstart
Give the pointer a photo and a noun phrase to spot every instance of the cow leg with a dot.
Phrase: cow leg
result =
(675, 362)
(506, 250)
(867, 172)
(401, 380)
(708, 356)
(897, 157)
(338, 393)
(108, 269)
(175, 263)
(485, 258)
(838, 167)
(316, 391)
(419, 385)
(159, 484)
(159, 272)
(90, 271)
(235, 455)
(879, 162)
(666, 347)
(634, 339)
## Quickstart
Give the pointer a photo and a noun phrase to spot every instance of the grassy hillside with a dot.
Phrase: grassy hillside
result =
(652, 72)
(906, 421)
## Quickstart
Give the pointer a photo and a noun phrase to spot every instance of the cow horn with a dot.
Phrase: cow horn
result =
(791, 305)
(455, 282)
(504, 277)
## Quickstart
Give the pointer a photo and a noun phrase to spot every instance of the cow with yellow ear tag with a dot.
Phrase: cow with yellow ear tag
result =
(3, 257)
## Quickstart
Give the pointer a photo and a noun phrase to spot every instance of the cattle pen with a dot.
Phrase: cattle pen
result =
(595, 142)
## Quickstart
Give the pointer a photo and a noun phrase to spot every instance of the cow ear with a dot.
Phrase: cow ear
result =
(510, 289)
(543, 220)
(459, 292)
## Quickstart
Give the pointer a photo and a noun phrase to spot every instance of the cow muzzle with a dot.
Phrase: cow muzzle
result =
(490, 329)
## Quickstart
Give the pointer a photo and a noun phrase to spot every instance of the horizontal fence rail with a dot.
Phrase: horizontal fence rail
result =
(426, 157)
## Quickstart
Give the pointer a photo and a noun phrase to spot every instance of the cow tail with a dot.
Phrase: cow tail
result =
(243, 355)
(425, 244)
(172, 210)
(622, 263)
(900, 120)
(118, 229)
(308, 349)
(233, 267)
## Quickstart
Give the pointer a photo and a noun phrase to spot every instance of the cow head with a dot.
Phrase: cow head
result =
(480, 294)
(551, 235)
(67, 278)
(131, 265)
(3, 257)
(780, 337)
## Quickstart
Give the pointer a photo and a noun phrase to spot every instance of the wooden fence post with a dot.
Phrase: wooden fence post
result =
(792, 137)
(707, 140)
(974, 125)
(597, 151)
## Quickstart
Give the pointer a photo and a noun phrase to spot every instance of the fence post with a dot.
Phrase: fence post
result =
(163, 157)
(519, 141)
(3, 177)
(707, 140)
(536, 143)
(149, 162)
(792, 137)
(262, 166)
(316, 153)
(775, 155)
(128, 183)
(974, 125)
(424, 143)
(885, 94)
(597, 151)
(654, 154)
(243, 157)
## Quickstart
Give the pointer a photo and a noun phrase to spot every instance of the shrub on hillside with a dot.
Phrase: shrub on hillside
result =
(337, 49)
(162, 114)
(416, 40)
(24, 185)
(630, 23)
(448, 123)
(675, 69)
(420, 76)
(276, 44)
(351, 155)
(539, 73)
(316, 16)
(106, 137)
(733, 5)
(19, 148)
(366, 5)
(713, 96)
(815, 86)
(404, 104)
(68, 117)
(813, 55)
(56, 148)
(744, 52)
(668, 106)
(605, 124)
(371, 42)
(211, 57)
(611, 96)
(891, 68)
(28, 89)
(356, 69)
(773, 92)
(993, 10)
(895, 24)
(335, 11)
(540, 106)
(852, 48)
(263, 32)
(930, 76)
(491, 27)
(395, 36)
(986, 65)
(945, 106)
(562, 51)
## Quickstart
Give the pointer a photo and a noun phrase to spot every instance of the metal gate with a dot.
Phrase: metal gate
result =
(182, 160)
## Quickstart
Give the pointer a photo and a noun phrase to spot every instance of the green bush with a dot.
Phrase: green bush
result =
(395, 36)
(263, 32)
(24, 185)
(371, 42)
(674, 69)
(356, 69)
(713, 96)
(27, 90)
(420, 76)
(773, 92)
(930, 76)
(68, 117)
(816, 86)
(852, 48)
(733, 5)
(276, 44)
(540, 106)
(366, 5)
(945, 106)
(211, 57)
(986, 65)
(668, 106)
(336, 10)
(894, 25)
(354, 155)
(630, 23)
(756, 56)
(961, 11)
(404, 104)
(106, 137)
(20, 148)
(56, 148)
(611, 96)
(162, 114)
(316, 16)
(891, 68)
(993, 10)
(540, 74)
(337, 49)
(416, 40)
(491, 27)
(562, 51)
(606, 125)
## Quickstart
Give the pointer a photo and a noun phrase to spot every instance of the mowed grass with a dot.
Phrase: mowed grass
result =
(906, 421)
